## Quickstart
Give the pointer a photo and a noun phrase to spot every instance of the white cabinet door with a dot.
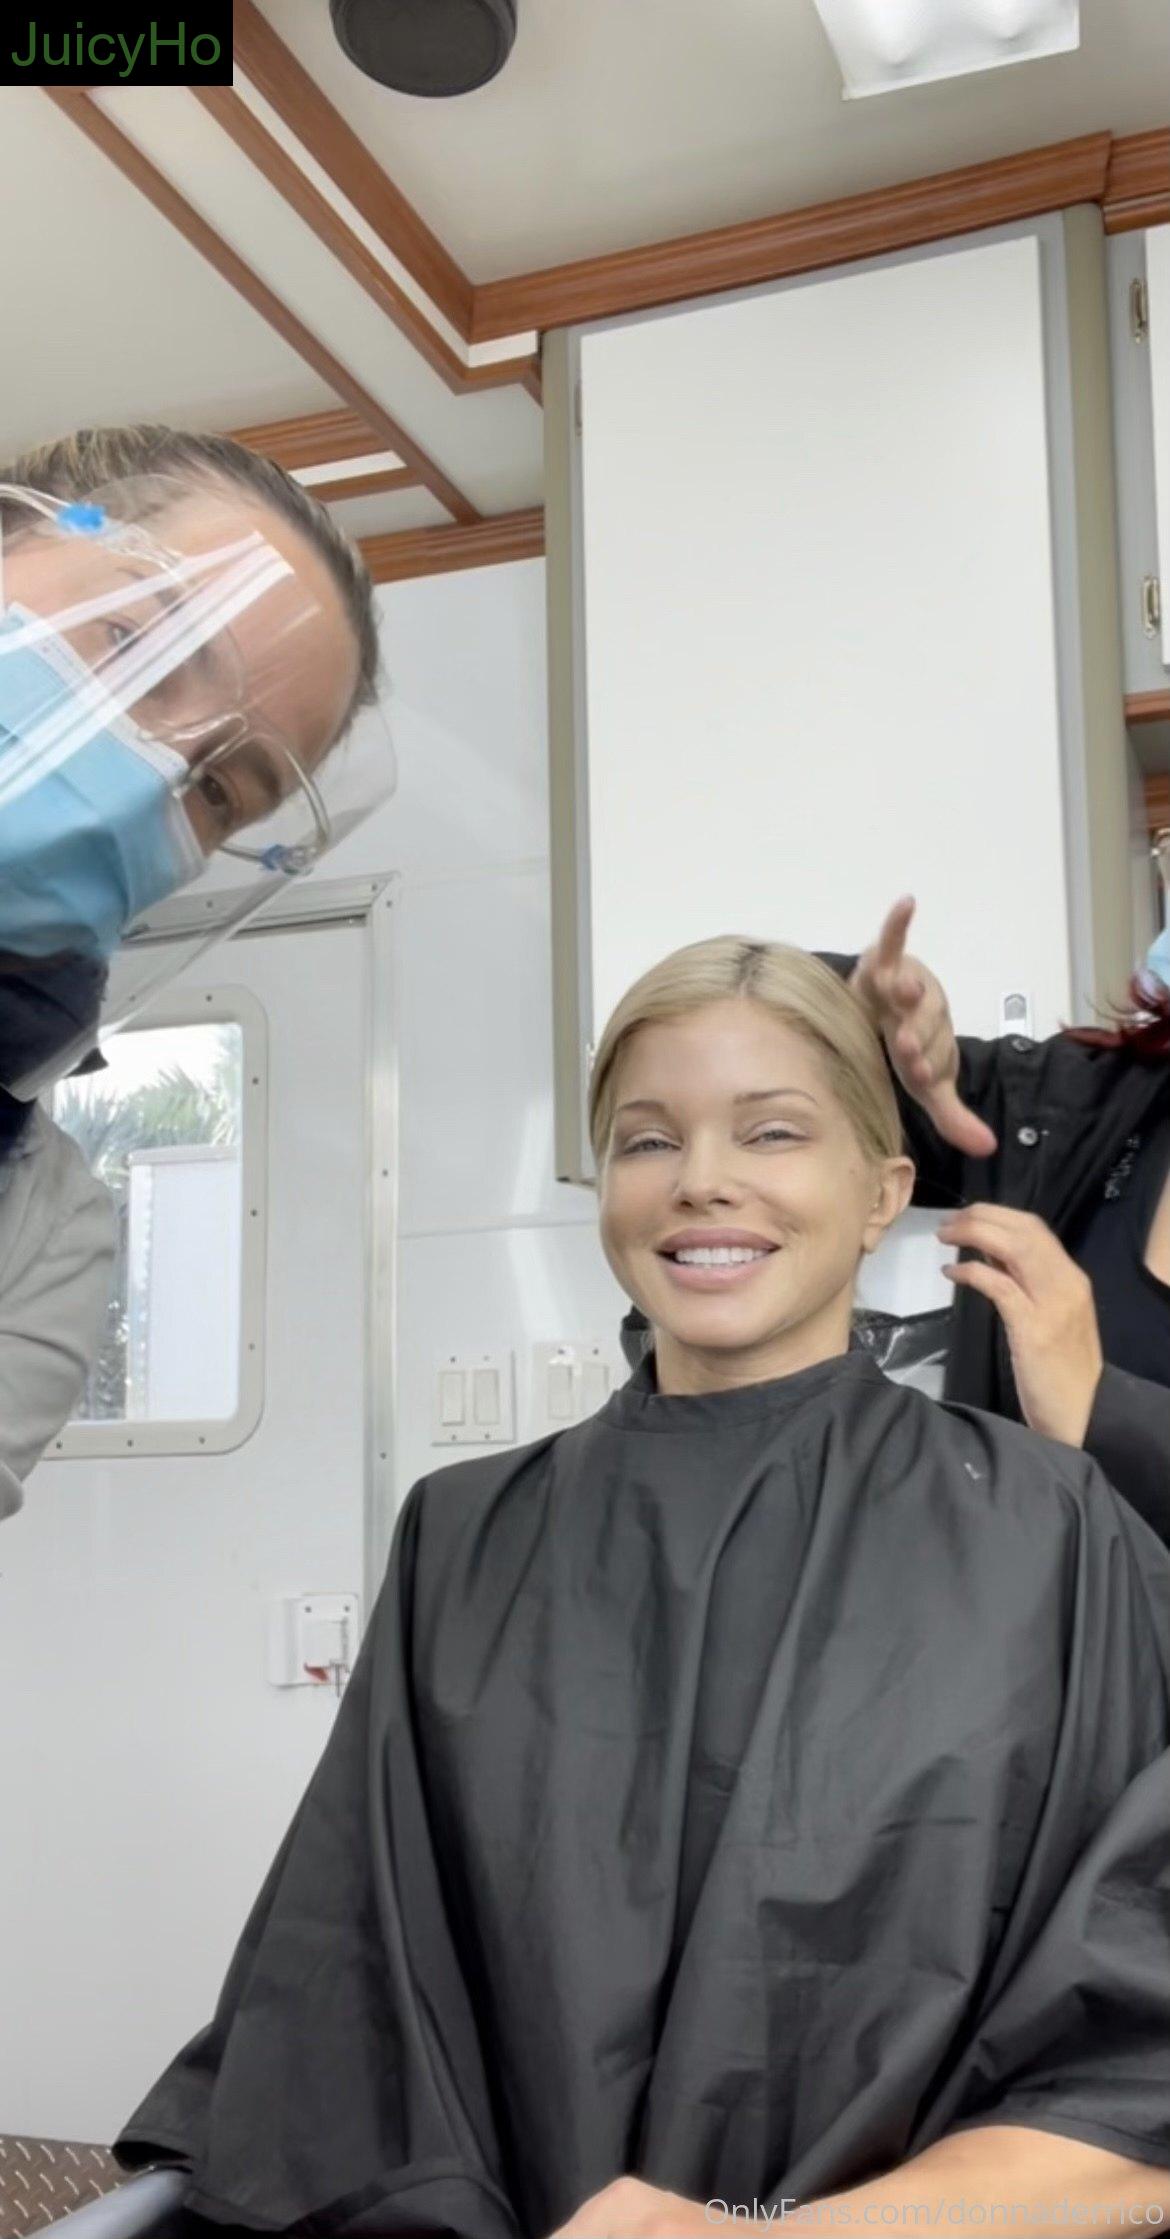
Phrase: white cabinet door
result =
(1158, 284)
(147, 1766)
(826, 641)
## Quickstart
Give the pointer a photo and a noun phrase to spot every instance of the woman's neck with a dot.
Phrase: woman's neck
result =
(692, 1369)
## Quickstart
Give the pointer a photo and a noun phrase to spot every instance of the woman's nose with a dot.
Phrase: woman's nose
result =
(703, 1179)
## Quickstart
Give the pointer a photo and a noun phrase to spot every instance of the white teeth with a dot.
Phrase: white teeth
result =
(717, 1255)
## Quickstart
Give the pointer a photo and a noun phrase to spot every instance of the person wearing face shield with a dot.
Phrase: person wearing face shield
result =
(186, 639)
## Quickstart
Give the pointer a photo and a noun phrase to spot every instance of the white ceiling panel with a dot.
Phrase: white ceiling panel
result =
(110, 316)
(617, 122)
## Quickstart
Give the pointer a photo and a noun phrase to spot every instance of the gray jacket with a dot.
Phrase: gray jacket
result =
(56, 1254)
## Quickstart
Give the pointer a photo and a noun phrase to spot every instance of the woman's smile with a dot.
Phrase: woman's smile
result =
(715, 1259)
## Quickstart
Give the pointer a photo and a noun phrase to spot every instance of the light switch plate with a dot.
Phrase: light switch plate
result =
(571, 1378)
(486, 1384)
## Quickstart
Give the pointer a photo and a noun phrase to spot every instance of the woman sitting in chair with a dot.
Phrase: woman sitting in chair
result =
(752, 1796)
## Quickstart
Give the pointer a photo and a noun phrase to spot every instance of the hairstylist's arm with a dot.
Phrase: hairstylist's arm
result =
(1045, 1302)
(1066, 1388)
(56, 1256)
(1002, 2173)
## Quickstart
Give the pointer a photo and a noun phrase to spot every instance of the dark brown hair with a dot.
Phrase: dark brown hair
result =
(91, 458)
(1142, 1027)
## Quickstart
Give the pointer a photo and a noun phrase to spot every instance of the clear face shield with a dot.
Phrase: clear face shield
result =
(176, 666)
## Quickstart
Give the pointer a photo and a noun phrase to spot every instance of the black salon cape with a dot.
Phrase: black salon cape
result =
(741, 1791)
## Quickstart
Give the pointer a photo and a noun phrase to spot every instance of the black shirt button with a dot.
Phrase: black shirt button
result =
(1028, 1136)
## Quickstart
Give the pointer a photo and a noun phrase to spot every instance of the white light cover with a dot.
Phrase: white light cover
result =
(884, 44)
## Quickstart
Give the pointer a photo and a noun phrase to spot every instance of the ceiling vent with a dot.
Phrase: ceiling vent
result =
(435, 48)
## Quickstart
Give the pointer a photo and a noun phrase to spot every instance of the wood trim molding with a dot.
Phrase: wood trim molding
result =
(287, 179)
(315, 439)
(1158, 803)
(325, 439)
(1137, 188)
(275, 72)
(1147, 707)
(863, 225)
(408, 552)
(166, 199)
(374, 484)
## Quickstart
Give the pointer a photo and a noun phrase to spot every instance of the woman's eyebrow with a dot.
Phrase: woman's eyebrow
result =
(750, 1096)
(765, 1095)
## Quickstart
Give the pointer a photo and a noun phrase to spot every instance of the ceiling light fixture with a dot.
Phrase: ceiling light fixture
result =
(884, 44)
(431, 47)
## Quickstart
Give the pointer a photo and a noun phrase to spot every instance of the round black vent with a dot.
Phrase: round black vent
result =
(431, 47)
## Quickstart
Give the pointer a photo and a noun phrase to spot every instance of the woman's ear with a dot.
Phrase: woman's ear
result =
(893, 1187)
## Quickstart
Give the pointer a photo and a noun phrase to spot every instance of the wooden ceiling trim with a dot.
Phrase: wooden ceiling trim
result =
(166, 199)
(276, 73)
(363, 485)
(409, 552)
(288, 180)
(325, 439)
(829, 233)
(312, 439)
(1137, 189)
(1147, 707)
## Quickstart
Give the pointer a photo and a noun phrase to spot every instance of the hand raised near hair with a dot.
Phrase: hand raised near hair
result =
(1045, 1302)
(911, 1013)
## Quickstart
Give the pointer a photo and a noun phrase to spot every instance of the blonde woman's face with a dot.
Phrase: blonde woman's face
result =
(736, 1200)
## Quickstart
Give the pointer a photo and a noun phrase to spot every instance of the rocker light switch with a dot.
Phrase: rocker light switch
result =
(452, 1396)
(485, 1384)
(561, 1395)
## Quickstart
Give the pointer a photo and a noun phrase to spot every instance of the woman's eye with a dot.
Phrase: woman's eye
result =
(118, 634)
(217, 799)
(776, 1135)
(645, 1143)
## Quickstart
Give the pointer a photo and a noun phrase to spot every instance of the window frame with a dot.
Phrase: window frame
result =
(217, 1006)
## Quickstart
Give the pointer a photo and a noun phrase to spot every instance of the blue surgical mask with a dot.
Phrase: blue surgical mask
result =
(1158, 957)
(91, 843)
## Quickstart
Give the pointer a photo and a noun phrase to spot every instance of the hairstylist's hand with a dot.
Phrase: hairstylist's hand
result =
(629, 2209)
(1045, 1303)
(912, 1015)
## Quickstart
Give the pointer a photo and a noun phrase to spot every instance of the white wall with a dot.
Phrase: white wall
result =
(493, 1252)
